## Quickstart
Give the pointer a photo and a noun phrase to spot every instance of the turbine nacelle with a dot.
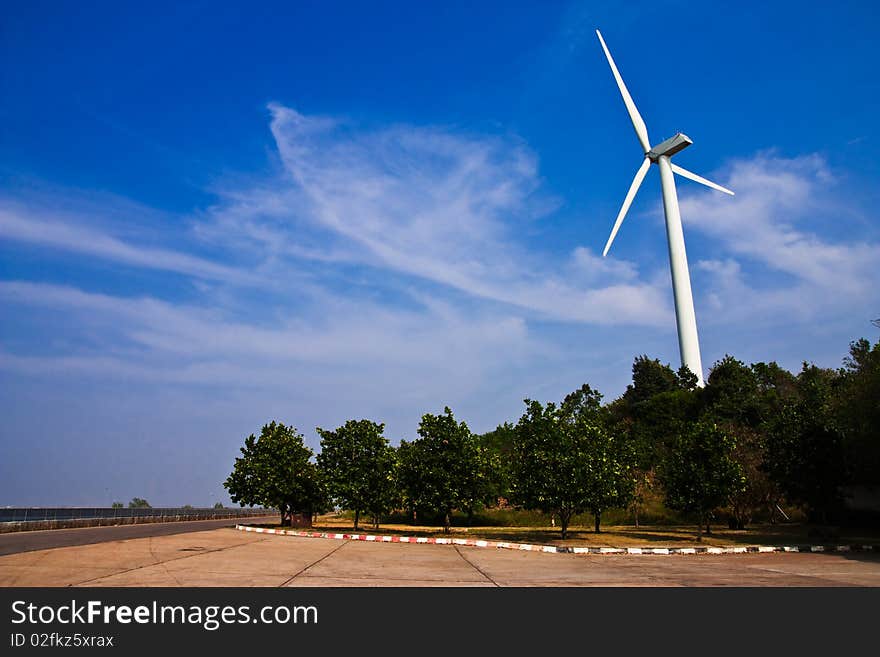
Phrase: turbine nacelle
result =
(669, 147)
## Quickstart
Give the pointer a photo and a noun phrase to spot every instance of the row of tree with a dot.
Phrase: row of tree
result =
(755, 437)
(140, 503)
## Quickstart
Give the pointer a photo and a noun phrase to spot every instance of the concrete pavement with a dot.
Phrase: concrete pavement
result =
(226, 557)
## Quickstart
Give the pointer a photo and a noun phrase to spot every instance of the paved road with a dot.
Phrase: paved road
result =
(226, 557)
(55, 538)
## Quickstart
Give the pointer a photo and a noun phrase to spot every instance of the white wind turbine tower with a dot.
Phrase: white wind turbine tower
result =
(688, 342)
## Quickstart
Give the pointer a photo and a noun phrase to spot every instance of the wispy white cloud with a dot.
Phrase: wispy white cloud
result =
(595, 268)
(777, 263)
(22, 224)
(732, 301)
(184, 343)
(431, 203)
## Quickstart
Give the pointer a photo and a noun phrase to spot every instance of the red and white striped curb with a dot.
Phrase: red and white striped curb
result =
(471, 542)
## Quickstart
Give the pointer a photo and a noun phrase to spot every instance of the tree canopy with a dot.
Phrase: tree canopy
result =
(699, 472)
(276, 471)
(450, 467)
(566, 462)
(357, 465)
(805, 452)
(857, 411)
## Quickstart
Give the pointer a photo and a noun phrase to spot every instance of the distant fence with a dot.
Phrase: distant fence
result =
(33, 518)
(42, 514)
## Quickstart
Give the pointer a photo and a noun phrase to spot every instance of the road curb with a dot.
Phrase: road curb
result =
(554, 549)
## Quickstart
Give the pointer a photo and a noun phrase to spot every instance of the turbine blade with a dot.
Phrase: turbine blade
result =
(700, 179)
(636, 118)
(630, 195)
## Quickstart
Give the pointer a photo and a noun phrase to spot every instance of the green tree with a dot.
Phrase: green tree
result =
(608, 456)
(276, 471)
(451, 472)
(759, 492)
(685, 379)
(699, 473)
(735, 400)
(565, 462)
(656, 407)
(117, 505)
(357, 465)
(731, 393)
(497, 448)
(482, 473)
(610, 480)
(857, 411)
(218, 505)
(549, 472)
(805, 454)
(582, 403)
(139, 503)
(776, 387)
(649, 378)
(412, 469)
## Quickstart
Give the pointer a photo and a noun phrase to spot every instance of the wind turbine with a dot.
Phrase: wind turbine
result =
(686, 321)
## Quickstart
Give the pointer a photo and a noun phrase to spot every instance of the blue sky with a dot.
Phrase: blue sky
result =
(214, 215)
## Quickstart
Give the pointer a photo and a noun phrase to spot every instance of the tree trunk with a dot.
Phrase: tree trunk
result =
(597, 517)
(700, 528)
(357, 517)
(637, 517)
(708, 527)
(564, 517)
(447, 521)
